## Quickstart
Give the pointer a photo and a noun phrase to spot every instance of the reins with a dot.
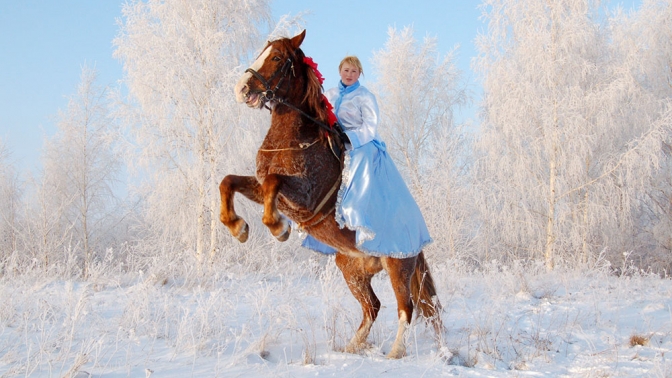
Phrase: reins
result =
(315, 120)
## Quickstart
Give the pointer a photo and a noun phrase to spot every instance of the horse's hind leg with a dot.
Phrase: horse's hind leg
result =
(400, 272)
(358, 272)
(247, 186)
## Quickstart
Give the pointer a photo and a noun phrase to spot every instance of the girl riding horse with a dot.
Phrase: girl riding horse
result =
(297, 174)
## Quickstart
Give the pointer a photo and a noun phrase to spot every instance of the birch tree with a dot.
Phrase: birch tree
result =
(47, 236)
(80, 175)
(418, 92)
(644, 42)
(181, 60)
(557, 133)
(10, 203)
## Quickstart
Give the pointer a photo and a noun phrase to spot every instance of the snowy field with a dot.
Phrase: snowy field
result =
(500, 322)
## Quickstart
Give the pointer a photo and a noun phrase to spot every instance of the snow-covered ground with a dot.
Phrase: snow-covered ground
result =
(500, 322)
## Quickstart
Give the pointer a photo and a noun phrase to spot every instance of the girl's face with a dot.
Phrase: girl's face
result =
(349, 74)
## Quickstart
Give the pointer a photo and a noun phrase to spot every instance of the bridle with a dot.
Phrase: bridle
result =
(270, 94)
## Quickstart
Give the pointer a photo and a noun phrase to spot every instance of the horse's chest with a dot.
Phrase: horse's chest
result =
(284, 163)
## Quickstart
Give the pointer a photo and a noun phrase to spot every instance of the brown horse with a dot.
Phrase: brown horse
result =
(298, 175)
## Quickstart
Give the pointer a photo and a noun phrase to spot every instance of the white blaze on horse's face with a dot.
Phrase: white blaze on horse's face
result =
(242, 90)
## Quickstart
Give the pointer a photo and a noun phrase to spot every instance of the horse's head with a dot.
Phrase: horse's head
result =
(271, 72)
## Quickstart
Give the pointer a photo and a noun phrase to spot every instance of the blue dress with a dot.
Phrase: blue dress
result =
(373, 199)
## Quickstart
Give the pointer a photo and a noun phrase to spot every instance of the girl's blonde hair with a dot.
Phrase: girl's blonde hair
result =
(352, 60)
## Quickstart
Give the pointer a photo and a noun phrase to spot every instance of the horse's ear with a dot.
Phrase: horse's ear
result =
(297, 40)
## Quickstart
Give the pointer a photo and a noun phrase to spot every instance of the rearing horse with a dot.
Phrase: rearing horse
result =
(298, 175)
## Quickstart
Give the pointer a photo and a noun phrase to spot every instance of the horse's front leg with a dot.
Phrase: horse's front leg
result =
(278, 224)
(245, 185)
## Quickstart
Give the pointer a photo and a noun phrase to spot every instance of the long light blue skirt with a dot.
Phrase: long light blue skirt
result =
(375, 202)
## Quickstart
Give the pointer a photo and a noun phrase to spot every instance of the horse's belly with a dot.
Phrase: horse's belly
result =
(353, 253)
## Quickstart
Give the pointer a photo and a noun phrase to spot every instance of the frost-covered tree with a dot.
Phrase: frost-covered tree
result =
(558, 135)
(643, 40)
(10, 199)
(76, 200)
(181, 60)
(46, 234)
(418, 93)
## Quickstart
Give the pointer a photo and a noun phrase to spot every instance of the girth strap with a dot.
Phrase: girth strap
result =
(320, 206)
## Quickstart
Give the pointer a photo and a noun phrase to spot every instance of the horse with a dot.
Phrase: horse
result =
(298, 176)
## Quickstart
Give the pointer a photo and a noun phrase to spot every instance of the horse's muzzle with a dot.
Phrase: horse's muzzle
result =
(242, 90)
(254, 100)
(244, 94)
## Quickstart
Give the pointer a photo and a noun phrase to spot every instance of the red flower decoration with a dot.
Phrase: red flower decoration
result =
(311, 63)
(331, 117)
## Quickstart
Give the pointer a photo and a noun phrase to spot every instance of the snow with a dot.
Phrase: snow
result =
(517, 321)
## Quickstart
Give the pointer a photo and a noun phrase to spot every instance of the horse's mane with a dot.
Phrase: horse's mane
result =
(313, 96)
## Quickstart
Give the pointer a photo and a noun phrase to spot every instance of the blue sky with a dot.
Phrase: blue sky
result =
(44, 44)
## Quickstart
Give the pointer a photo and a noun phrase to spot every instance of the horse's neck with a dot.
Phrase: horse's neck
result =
(288, 124)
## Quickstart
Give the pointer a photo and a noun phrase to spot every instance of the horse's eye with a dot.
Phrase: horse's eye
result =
(276, 58)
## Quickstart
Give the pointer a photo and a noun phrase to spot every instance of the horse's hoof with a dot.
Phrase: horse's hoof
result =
(356, 348)
(396, 353)
(244, 232)
(352, 349)
(285, 235)
(285, 232)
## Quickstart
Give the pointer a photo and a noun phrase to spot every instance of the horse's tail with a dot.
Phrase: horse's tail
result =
(424, 294)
